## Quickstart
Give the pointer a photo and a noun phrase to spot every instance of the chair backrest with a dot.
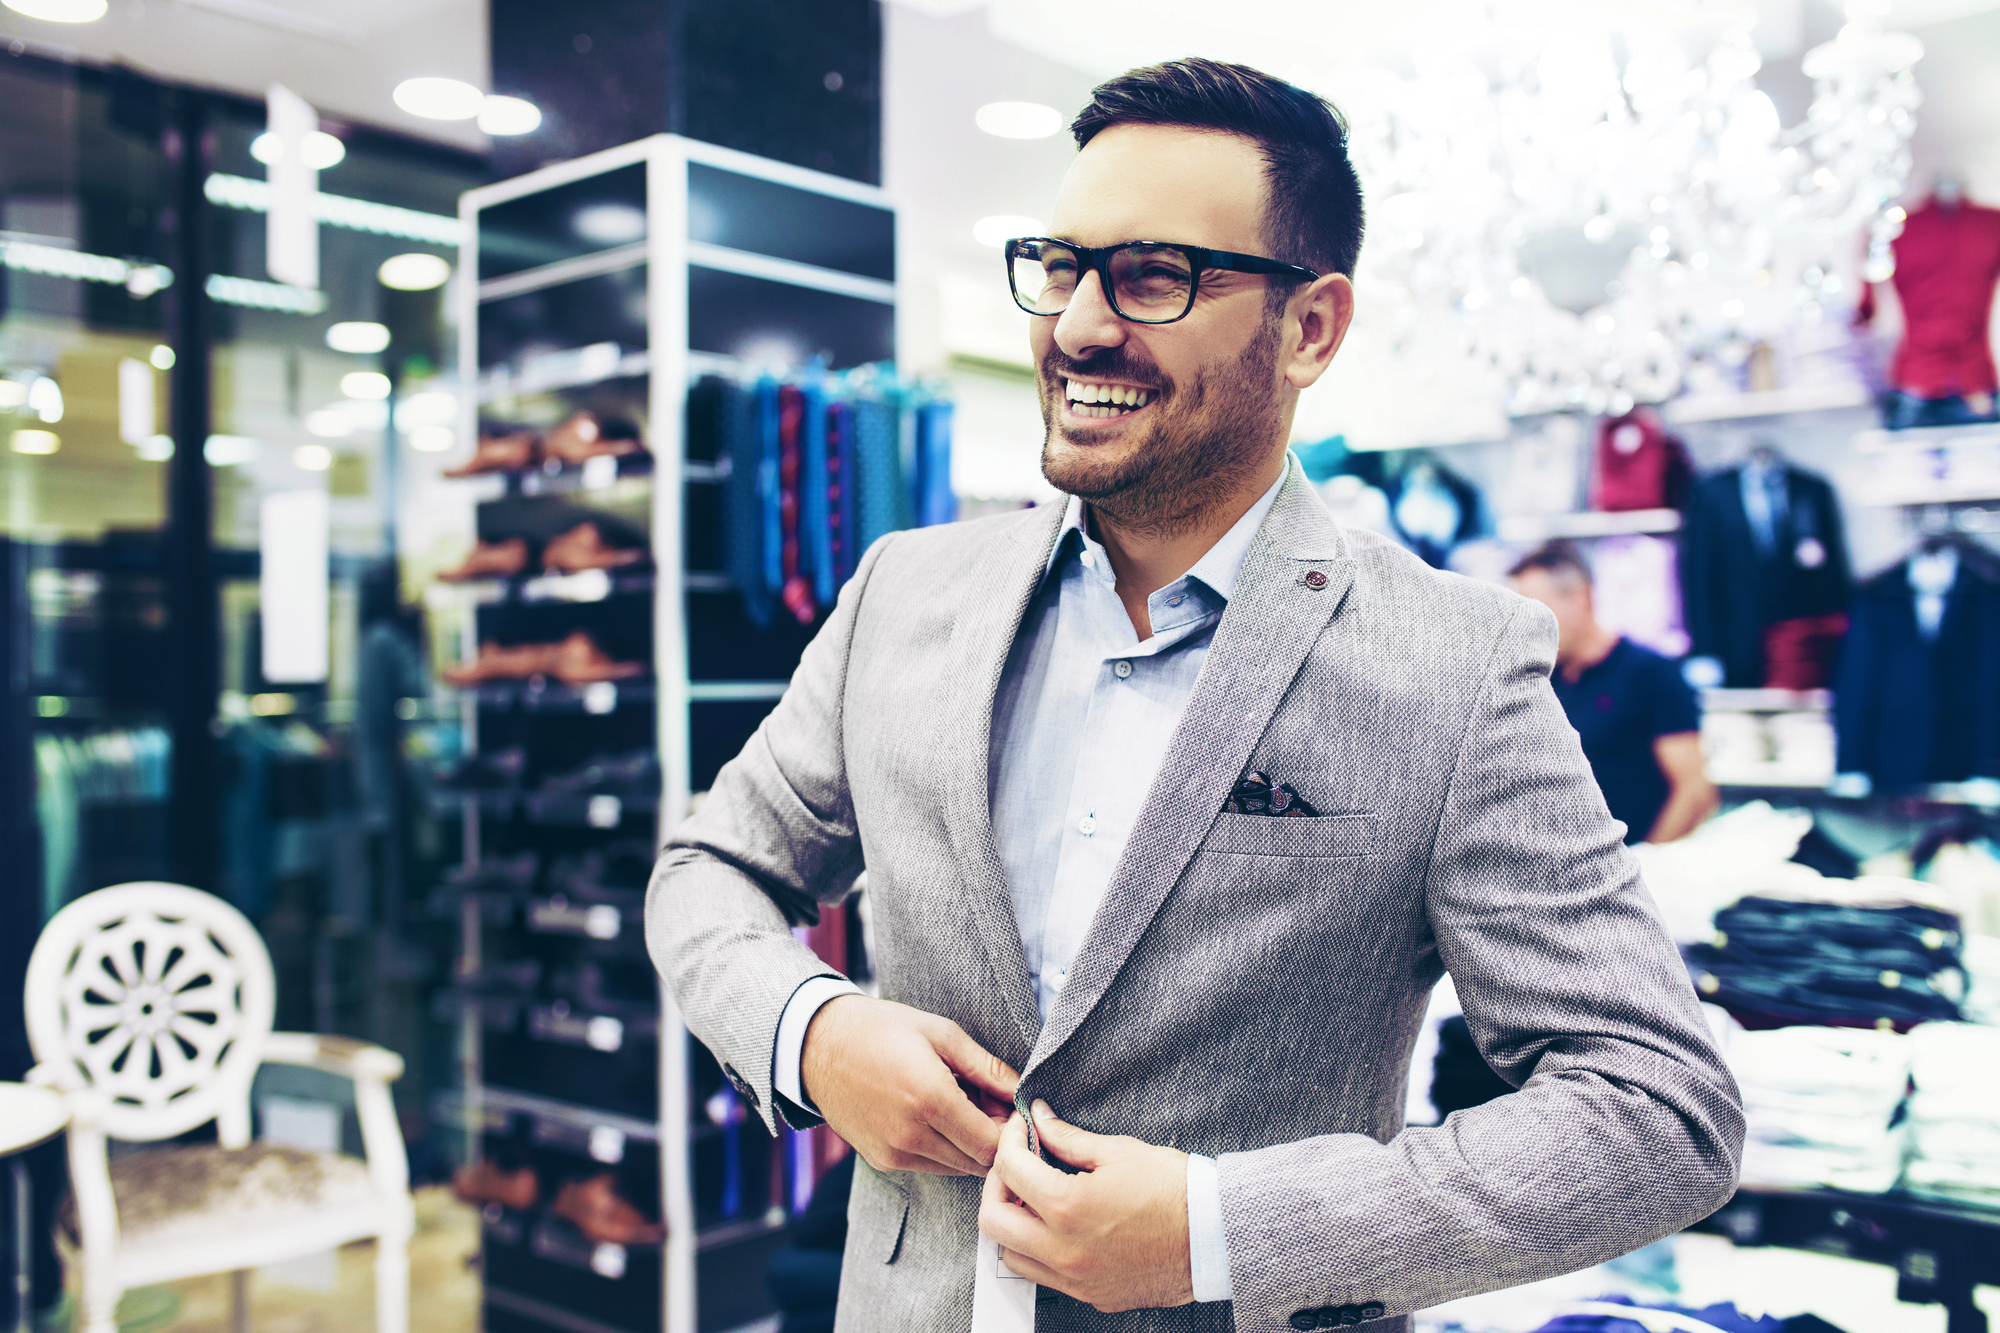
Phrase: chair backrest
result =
(159, 998)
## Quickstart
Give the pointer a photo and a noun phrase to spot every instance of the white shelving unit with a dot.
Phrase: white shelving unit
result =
(741, 261)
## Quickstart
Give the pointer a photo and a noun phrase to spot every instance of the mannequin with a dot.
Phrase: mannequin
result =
(1947, 264)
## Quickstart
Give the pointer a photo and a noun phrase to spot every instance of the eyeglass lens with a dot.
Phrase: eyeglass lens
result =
(1148, 282)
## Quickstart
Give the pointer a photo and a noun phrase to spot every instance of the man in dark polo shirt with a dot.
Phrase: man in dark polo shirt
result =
(1640, 723)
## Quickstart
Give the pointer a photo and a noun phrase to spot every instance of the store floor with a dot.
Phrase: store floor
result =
(336, 1294)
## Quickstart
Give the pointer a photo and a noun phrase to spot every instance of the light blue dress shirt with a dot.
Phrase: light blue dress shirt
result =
(1081, 725)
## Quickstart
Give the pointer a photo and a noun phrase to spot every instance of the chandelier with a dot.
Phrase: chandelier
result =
(1585, 221)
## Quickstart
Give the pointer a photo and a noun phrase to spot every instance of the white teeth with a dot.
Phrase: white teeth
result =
(1104, 400)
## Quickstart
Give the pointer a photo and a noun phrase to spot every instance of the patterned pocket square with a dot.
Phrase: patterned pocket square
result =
(1256, 794)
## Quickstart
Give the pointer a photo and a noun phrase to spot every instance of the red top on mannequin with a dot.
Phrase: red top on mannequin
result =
(1947, 263)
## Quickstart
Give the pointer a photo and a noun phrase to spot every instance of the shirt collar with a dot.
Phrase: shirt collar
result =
(1218, 568)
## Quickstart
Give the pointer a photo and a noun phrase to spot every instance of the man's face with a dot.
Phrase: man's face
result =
(1214, 405)
(1566, 595)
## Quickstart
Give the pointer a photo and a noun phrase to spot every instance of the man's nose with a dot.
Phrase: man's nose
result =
(1089, 324)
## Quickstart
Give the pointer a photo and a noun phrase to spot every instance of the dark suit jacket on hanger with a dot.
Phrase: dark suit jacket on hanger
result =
(1907, 710)
(1730, 590)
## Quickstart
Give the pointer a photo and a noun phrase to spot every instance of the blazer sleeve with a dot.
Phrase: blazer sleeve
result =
(1626, 1126)
(773, 841)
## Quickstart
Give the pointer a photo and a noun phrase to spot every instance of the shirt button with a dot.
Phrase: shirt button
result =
(1123, 669)
(1087, 825)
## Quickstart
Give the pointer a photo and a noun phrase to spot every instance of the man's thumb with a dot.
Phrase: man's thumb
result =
(1064, 1141)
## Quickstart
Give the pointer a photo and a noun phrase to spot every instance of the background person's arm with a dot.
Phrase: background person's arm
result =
(1691, 797)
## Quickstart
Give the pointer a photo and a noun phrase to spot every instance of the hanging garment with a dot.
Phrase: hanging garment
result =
(1434, 509)
(815, 534)
(878, 472)
(934, 501)
(1800, 653)
(793, 591)
(1758, 545)
(1915, 699)
(1947, 263)
(1637, 593)
(1639, 465)
(839, 499)
(770, 491)
(736, 419)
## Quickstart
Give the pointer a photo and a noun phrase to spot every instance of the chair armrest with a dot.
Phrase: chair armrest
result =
(357, 1060)
(372, 1069)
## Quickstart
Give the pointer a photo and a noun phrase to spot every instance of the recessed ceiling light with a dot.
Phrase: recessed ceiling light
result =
(162, 357)
(312, 457)
(155, 448)
(439, 99)
(60, 11)
(357, 336)
(433, 439)
(509, 115)
(997, 231)
(230, 450)
(610, 224)
(320, 151)
(365, 384)
(329, 423)
(1018, 120)
(36, 442)
(415, 272)
(431, 407)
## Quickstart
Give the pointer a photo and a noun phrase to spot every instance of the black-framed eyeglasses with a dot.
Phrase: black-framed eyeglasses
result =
(1147, 282)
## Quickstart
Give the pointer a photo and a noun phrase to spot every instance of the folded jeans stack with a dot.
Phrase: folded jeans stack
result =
(1820, 1103)
(1773, 962)
(1955, 1111)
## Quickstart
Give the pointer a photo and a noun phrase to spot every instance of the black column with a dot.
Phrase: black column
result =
(194, 665)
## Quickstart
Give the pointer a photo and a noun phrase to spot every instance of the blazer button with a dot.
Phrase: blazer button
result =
(742, 1085)
(1305, 1321)
(1371, 1310)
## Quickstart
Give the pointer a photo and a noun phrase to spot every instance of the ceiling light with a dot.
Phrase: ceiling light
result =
(997, 231)
(155, 448)
(365, 384)
(609, 224)
(439, 99)
(364, 414)
(13, 394)
(229, 450)
(413, 272)
(36, 442)
(433, 439)
(509, 115)
(329, 423)
(433, 407)
(1018, 120)
(321, 150)
(312, 457)
(357, 336)
(162, 357)
(60, 11)
(45, 399)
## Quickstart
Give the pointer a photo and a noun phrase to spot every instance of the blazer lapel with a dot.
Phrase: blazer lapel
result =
(1270, 625)
(982, 636)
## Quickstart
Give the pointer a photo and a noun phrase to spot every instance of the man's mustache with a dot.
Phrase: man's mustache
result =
(1111, 365)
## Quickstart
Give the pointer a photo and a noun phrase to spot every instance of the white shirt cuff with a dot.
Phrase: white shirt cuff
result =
(790, 1047)
(1208, 1246)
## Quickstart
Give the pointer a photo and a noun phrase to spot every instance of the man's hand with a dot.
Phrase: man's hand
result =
(908, 1090)
(1114, 1237)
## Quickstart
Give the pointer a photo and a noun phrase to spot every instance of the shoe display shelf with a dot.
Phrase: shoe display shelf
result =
(609, 670)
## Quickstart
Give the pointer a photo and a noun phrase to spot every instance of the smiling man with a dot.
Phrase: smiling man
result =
(1176, 800)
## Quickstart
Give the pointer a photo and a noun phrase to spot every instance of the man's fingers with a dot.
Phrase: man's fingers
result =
(1065, 1142)
(974, 1063)
(1031, 1179)
(946, 1156)
(971, 1130)
(1031, 1268)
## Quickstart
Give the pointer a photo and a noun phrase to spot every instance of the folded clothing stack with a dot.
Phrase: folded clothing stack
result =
(1619, 1314)
(1955, 1111)
(1774, 962)
(1821, 1104)
(1981, 956)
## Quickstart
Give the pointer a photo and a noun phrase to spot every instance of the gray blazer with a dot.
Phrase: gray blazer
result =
(1251, 987)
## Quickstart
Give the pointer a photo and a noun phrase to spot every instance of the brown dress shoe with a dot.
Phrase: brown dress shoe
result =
(578, 660)
(596, 1210)
(584, 547)
(490, 560)
(500, 453)
(483, 1182)
(496, 663)
(585, 436)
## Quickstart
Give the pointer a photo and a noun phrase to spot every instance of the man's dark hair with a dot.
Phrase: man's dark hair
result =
(1559, 559)
(1315, 215)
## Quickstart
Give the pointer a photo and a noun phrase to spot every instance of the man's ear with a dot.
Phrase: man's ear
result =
(1323, 310)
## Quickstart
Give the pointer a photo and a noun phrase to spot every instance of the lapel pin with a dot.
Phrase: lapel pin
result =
(1315, 580)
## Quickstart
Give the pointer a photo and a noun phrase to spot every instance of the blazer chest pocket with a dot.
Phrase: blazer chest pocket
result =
(1275, 835)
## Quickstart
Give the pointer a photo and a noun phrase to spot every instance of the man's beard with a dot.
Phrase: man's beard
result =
(1208, 440)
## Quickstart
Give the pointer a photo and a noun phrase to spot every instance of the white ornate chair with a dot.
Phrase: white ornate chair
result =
(149, 1007)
